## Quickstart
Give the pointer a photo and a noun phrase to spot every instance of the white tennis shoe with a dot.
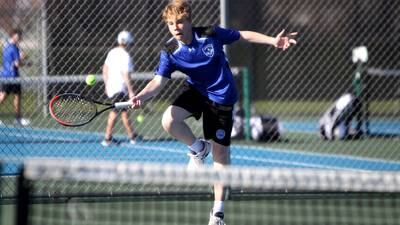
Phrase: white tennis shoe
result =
(216, 219)
(106, 143)
(22, 122)
(197, 160)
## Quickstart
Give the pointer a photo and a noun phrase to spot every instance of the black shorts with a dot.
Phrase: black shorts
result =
(217, 118)
(119, 97)
(10, 88)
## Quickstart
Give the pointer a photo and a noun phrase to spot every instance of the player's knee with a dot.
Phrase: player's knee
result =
(221, 155)
(166, 121)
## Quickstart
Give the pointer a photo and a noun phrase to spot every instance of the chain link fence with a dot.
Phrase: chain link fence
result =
(300, 85)
(66, 40)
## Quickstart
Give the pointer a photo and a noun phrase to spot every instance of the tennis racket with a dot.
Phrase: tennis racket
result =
(74, 110)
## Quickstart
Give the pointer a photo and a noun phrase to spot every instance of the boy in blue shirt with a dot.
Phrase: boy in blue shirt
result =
(210, 89)
(13, 59)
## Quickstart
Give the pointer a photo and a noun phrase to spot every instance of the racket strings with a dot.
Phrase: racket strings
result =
(74, 110)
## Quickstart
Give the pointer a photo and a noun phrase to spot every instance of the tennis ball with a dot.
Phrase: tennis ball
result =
(140, 118)
(90, 80)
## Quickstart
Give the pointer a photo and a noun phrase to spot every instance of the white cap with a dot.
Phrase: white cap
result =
(124, 37)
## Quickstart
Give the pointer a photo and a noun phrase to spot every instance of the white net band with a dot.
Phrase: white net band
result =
(239, 177)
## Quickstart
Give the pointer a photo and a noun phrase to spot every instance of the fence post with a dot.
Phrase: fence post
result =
(43, 17)
(21, 214)
(246, 101)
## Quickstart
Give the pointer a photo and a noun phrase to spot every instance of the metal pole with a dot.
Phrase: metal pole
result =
(246, 102)
(224, 13)
(44, 55)
(224, 19)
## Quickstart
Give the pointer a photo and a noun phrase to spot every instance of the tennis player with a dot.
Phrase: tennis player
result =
(210, 89)
(116, 70)
(13, 59)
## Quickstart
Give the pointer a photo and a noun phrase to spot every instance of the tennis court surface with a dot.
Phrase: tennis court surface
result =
(19, 143)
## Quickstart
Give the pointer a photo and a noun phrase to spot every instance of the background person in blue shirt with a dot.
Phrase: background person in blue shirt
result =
(210, 89)
(13, 59)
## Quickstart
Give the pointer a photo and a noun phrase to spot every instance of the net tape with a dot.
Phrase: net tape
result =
(295, 179)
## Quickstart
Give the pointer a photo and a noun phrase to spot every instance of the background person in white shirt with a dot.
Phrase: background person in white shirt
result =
(116, 70)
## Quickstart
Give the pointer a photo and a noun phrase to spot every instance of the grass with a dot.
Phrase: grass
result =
(312, 109)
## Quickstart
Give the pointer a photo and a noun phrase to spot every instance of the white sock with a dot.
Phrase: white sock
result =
(218, 206)
(197, 146)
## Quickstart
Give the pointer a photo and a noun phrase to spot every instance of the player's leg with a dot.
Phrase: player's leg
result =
(127, 124)
(17, 106)
(16, 90)
(221, 157)
(217, 125)
(188, 103)
(109, 128)
(173, 121)
(3, 96)
(4, 91)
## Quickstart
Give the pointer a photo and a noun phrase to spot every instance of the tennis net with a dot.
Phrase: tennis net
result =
(136, 193)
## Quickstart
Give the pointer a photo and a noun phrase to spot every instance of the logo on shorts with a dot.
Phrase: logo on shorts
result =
(208, 50)
(220, 134)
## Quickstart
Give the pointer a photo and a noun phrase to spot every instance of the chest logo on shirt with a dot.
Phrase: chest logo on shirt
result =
(208, 50)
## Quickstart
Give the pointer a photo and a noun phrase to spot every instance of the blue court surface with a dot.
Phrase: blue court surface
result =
(18, 143)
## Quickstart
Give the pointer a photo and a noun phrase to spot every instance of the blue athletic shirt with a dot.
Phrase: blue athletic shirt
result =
(204, 62)
(10, 55)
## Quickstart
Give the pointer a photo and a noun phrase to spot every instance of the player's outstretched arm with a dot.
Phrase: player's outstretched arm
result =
(152, 88)
(280, 41)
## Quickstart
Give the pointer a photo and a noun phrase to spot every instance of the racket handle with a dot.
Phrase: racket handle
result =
(122, 105)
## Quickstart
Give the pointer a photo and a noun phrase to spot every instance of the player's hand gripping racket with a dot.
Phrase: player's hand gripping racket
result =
(74, 110)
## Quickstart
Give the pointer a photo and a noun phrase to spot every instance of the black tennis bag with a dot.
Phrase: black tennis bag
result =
(262, 127)
(238, 125)
(335, 123)
(265, 128)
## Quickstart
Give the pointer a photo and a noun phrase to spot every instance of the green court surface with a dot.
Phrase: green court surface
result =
(281, 209)
(7, 214)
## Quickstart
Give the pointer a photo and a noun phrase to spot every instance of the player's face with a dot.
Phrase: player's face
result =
(16, 38)
(181, 29)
